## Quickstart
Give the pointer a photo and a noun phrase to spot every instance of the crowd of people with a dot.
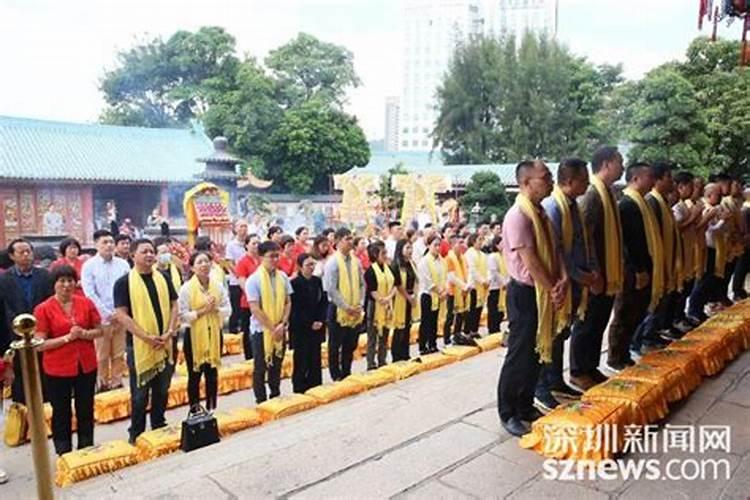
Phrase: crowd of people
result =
(569, 259)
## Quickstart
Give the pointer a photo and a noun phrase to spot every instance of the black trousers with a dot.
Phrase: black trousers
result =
(261, 368)
(16, 389)
(494, 315)
(705, 289)
(342, 341)
(740, 273)
(631, 307)
(586, 336)
(210, 373)
(247, 346)
(454, 321)
(520, 371)
(473, 315)
(681, 301)
(428, 325)
(647, 333)
(400, 340)
(156, 391)
(235, 296)
(551, 374)
(80, 389)
(307, 365)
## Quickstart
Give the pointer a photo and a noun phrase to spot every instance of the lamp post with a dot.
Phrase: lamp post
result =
(474, 215)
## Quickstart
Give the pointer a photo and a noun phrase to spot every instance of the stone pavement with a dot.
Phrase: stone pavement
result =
(435, 435)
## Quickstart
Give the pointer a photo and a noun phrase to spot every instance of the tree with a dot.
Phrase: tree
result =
(307, 68)
(669, 122)
(312, 143)
(389, 197)
(164, 83)
(487, 189)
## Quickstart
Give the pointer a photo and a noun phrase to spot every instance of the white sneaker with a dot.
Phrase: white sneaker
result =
(3, 477)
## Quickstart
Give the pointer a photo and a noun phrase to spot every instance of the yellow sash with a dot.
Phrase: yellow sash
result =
(480, 260)
(550, 323)
(399, 305)
(272, 303)
(672, 246)
(174, 276)
(699, 248)
(438, 274)
(349, 288)
(217, 274)
(688, 249)
(504, 273)
(613, 263)
(721, 245)
(148, 360)
(457, 265)
(205, 332)
(383, 316)
(655, 248)
(567, 240)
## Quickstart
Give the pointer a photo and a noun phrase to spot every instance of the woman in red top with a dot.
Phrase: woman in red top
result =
(69, 323)
(287, 261)
(70, 251)
(360, 250)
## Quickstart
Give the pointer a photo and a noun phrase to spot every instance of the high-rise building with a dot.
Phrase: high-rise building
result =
(516, 17)
(391, 123)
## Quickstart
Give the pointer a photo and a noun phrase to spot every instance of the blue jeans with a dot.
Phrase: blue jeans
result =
(157, 388)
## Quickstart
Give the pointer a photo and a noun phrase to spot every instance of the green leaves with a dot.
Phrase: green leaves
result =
(486, 189)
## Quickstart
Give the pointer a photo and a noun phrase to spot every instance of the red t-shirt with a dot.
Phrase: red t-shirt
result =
(364, 259)
(288, 265)
(244, 268)
(52, 320)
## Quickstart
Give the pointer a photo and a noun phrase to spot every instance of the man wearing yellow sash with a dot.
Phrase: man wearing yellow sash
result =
(572, 237)
(738, 274)
(167, 265)
(708, 287)
(602, 219)
(381, 283)
(687, 216)
(433, 291)
(536, 293)
(644, 278)
(479, 283)
(268, 291)
(344, 283)
(498, 285)
(731, 237)
(146, 305)
(743, 264)
(457, 304)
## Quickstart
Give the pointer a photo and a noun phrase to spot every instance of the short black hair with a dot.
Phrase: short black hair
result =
(123, 237)
(327, 231)
(13, 243)
(493, 225)
(473, 237)
(299, 230)
(432, 238)
(141, 241)
(684, 177)
(569, 169)
(202, 244)
(373, 250)
(522, 169)
(161, 240)
(250, 237)
(63, 271)
(495, 242)
(67, 242)
(273, 230)
(660, 169)
(286, 240)
(197, 254)
(603, 155)
(101, 233)
(341, 233)
(301, 258)
(634, 169)
(268, 246)
(393, 224)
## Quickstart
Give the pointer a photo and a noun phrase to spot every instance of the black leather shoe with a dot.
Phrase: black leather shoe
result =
(531, 415)
(514, 427)
(598, 377)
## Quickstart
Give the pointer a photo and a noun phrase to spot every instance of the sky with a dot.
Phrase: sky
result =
(54, 52)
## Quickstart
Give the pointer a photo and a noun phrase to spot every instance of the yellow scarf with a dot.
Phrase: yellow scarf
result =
(174, 276)
(457, 265)
(734, 236)
(687, 237)
(721, 245)
(349, 288)
(273, 300)
(672, 246)
(400, 302)
(148, 360)
(655, 248)
(383, 317)
(438, 274)
(699, 248)
(613, 238)
(217, 273)
(549, 322)
(205, 332)
(504, 273)
(480, 260)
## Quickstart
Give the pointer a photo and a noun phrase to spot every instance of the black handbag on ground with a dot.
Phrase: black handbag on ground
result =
(199, 429)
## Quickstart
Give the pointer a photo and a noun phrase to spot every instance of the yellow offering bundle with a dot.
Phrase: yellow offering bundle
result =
(284, 406)
(159, 442)
(93, 461)
(644, 401)
(669, 378)
(373, 378)
(236, 419)
(712, 353)
(402, 369)
(232, 343)
(434, 360)
(490, 342)
(732, 343)
(177, 395)
(112, 405)
(328, 393)
(235, 378)
(687, 362)
(461, 352)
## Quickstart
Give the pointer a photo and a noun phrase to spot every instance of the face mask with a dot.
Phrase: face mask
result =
(165, 258)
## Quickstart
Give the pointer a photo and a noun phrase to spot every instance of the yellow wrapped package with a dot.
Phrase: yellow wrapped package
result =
(153, 444)
(177, 395)
(236, 419)
(461, 352)
(687, 362)
(733, 343)
(180, 369)
(232, 343)
(112, 405)
(578, 431)
(712, 353)
(644, 401)
(16, 425)
(674, 385)
(234, 378)
(736, 324)
(328, 393)
(284, 406)
(373, 378)
(434, 360)
(403, 369)
(95, 460)
(489, 342)
(287, 367)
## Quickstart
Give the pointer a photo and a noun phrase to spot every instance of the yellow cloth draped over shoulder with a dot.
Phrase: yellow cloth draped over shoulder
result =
(550, 322)
(699, 248)
(383, 317)
(205, 332)
(349, 288)
(273, 300)
(438, 274)
(498, 256)
(655, 248)
(399, 302)
(149, 361)
(672, 245)
(613, 260)
(457, 265)
(480, 261)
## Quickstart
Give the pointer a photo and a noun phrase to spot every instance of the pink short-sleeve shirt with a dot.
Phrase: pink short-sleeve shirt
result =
(518, 232)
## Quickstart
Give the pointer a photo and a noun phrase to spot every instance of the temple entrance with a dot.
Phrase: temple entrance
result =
(132, 202)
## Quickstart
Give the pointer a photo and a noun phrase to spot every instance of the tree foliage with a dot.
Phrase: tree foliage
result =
(486, 189)
(389, 197)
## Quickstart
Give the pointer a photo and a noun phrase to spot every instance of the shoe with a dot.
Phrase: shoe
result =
(3, 476)
(598, 377)
(682, 326)
(545, 402)
(670, 335)
(564, 391)
(462, 339)
(583, 382)
(475, 335)
(514, 427)
(447, 340)
(616, 366)
(651, 347)
(533, 414)
(695, 322)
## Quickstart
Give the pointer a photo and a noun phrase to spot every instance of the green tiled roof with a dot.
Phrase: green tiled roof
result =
(44, 150)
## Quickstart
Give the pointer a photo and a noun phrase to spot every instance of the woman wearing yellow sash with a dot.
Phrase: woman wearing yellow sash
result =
(268, 291)
(406, 303)
(381, 286)
(535, 295)
(479, 280)
(457, 304)
(498, 284)
(433, 290)
(146, 305)
(204, 305)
